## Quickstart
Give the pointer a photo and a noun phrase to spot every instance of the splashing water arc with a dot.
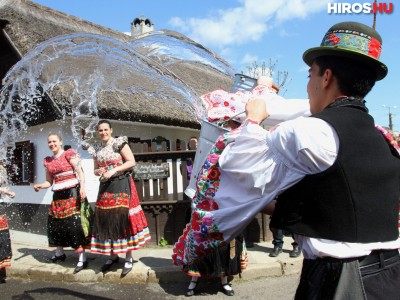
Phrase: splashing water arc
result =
(88, 66)
(168, 49)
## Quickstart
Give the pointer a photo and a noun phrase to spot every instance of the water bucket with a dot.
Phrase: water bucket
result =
(209, 134)
(243, 83)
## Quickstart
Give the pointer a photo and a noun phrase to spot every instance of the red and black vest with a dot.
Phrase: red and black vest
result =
(357, 198)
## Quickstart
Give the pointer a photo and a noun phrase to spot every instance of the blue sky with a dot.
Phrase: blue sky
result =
(244, 31)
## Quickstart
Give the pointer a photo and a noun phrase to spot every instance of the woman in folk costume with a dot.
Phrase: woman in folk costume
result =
(5, 241)
(395, 147)
(231, 257)
(120, 225)
(64, 226)
(202, 236)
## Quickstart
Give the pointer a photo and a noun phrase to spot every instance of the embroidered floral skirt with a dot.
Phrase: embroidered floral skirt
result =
(119, 222)
(228, 260)
(5, 243)
(64, 226)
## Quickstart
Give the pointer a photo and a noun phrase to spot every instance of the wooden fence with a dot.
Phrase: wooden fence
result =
(166, 206)
(161, 192)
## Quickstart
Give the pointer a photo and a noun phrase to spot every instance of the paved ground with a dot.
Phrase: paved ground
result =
(152, 264)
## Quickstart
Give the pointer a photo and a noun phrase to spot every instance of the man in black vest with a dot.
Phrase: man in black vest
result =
(338, 177)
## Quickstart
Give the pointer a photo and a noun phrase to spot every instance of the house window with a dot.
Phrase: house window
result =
(21, 166)
(160, 143)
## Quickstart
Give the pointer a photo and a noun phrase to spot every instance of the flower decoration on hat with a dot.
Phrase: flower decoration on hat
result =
(352, 40)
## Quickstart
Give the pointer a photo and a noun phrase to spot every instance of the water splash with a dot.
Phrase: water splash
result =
(168, 49)
(72, 71)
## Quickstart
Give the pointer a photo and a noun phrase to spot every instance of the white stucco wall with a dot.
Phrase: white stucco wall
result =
(38, 136)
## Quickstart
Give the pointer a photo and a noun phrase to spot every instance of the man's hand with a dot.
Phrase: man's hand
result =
(256, 110)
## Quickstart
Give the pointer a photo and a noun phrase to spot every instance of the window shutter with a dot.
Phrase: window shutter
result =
(22, 163)
(31, 162)
(10, 166)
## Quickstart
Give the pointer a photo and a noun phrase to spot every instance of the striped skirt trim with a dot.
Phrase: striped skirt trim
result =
(122, 245)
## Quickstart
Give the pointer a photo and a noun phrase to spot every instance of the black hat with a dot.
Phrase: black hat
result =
(353, 40)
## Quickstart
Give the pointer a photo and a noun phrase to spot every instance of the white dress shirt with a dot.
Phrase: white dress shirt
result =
(263, 164)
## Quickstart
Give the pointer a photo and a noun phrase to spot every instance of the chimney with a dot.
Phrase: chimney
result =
(141, 26)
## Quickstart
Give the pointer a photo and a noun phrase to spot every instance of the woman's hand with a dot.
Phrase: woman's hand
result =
(10, 194)
(46, 184)
(7, 191)
(100, 171)
(82, 193)
(107, 175)
(37, 187)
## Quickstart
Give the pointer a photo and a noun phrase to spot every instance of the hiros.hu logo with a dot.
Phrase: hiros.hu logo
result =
(358, 8)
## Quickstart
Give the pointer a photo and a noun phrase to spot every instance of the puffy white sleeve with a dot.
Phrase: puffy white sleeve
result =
(268, 162)
(281, 109)
(119, 143)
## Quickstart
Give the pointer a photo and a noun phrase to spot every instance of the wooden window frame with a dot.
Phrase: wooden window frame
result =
(22, 163)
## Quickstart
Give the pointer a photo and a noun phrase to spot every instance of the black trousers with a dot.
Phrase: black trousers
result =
(372, 277)
(382, 280)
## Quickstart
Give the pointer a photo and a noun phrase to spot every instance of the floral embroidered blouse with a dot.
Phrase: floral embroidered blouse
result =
(62, 170)
(109, 156)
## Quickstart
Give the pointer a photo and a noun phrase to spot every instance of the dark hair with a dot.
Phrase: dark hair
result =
(355, 79)
(103, 122)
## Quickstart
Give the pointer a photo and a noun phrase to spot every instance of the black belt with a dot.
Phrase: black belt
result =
(382, 257)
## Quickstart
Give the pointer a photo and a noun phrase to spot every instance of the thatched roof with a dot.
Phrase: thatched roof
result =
(31, 24)
(27, 24)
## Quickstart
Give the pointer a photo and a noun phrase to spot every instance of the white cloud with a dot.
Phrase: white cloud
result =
(248, 22)
(177, 22)
(285, 33)
(229, 29)
(299, 9)
(228, 54)
(248, 59)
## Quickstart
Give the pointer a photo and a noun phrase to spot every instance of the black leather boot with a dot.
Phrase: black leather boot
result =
(295, 252)
(276, 251)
